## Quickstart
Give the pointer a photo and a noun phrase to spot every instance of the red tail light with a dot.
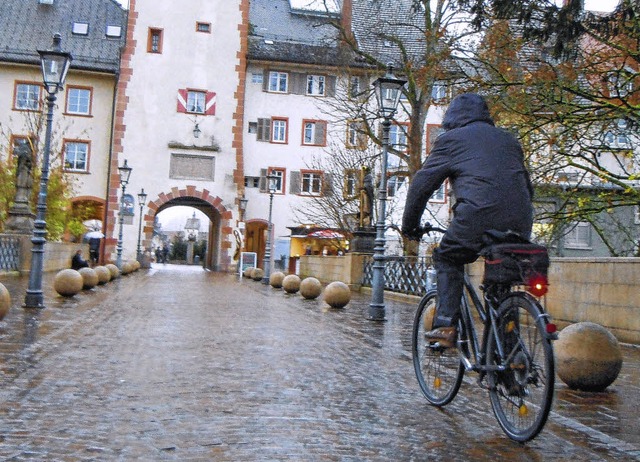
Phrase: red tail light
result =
(538, 285)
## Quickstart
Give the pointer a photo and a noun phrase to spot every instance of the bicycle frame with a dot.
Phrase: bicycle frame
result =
(487, 314)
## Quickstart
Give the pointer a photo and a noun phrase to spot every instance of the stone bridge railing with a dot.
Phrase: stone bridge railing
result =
(601, 290)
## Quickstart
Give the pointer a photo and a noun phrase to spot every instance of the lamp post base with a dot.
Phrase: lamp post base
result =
(376, 312)
(34, 299)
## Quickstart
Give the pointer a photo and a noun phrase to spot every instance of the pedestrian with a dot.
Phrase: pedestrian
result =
(158, 254)
(77, 261)
(492, 189)
(165, 253)
(94, 250)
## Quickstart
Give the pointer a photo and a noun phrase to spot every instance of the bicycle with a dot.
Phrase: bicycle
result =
(514, 359)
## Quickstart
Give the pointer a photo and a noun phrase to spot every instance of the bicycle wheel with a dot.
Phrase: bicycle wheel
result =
(521, 396)
(439, 370)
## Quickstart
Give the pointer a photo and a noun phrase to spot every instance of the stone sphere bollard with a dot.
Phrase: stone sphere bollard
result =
(113, 269)
(5, 301)
(104, 275)
(136, 265)
(291, 283)
(68, 282)
(276, 279)
(257, 274)
(248, 273)
(89, 278)
(128, 268)
(337, 294)
(310, 288)
(588, 356)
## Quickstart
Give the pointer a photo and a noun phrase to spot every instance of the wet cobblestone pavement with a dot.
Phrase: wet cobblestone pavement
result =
(176, 363)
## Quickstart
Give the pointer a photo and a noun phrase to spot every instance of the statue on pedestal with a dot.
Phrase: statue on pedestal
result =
(366, 198)
(20, 218)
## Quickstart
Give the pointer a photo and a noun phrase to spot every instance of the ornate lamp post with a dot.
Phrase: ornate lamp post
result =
(142, 198)
(272, 179)
(388, 90)
(125, 173)
(55, 65)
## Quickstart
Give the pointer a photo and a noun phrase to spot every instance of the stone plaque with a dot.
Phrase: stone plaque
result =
(190, 167)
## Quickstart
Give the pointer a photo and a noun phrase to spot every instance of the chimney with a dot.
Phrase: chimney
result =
(346, 18)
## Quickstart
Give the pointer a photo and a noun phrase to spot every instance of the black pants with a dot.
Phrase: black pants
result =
(449, 259)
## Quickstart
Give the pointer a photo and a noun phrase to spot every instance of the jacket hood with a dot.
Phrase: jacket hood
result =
(465, 109)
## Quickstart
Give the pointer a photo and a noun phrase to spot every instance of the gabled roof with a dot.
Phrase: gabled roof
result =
(28, 25)
(280, 33)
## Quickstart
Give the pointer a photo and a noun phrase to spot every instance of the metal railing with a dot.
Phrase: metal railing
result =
(407, 275)
(9, 253)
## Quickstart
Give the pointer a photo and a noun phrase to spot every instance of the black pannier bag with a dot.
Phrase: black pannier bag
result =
(515, 263)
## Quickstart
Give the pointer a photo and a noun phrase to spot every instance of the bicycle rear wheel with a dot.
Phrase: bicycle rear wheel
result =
(521, 396)
(439, 371)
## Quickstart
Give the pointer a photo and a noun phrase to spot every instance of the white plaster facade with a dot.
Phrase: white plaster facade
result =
(199, 50)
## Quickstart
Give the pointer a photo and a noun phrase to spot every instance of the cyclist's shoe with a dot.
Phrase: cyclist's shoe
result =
(444, 336)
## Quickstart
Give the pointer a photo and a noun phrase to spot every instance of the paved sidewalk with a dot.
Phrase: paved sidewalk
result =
(177, 363)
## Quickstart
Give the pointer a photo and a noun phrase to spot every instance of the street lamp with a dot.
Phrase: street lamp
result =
(142, 199)
(388, 90)
(125, 173)
(55, 65)
(272, 179)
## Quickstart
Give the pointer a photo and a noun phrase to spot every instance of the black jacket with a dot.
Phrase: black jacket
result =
(485, 166)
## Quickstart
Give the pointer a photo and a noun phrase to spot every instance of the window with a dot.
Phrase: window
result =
(280, 174)
(439, 92)
(78, 101)
(579, 236)
(278, 82)
(203, 27)
(80, 28)
(27, 97)
(256, 77)
(351, 183)
(440, 195)
(76, 156)
(355, 136)
(251, 181)
(618, 136)
(195, 101)
(394, 184)
(621, 83)
(398, 137)
(636, 215)
(311, 183)
(279, 130)
(113, 31)
(314, 133)
(315, 85)
(354, 86)
(154, 40)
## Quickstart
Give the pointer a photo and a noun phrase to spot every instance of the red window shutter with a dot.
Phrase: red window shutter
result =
(210, 103)
(182, 100)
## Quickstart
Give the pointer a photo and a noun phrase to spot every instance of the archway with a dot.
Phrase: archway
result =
(219, 233)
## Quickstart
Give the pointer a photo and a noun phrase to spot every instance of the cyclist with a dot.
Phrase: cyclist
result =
(492, 190)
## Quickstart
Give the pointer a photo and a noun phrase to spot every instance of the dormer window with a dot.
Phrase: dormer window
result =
(114, 31)
(80, 28)
(45, 2)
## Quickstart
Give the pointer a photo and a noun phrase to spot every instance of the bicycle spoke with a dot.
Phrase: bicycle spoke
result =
(521, 395)
(438, 370)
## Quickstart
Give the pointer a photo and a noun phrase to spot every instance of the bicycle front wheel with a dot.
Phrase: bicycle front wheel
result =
(522, 394)
(439, 371)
